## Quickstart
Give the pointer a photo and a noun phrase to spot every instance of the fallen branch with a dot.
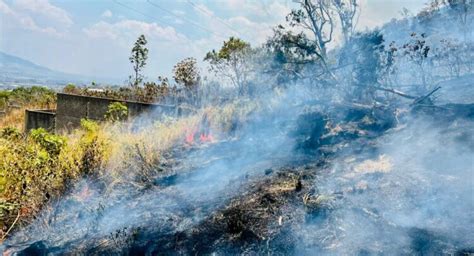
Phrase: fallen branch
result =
(399, 93)
(11, 227)
(422, 98)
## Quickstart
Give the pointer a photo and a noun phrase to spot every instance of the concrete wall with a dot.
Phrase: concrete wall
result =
(72, 108)
(40, 119)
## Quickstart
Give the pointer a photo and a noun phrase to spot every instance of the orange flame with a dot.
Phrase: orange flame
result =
(202, 130)
(190, 136)
(206, 137)
(203, 136)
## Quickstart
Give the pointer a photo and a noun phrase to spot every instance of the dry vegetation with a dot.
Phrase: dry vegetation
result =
(15, 102)
(260, 201)
(37, 167)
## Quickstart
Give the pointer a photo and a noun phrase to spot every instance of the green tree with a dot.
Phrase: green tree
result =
(138, 59)
(233, 62)
(186, 73)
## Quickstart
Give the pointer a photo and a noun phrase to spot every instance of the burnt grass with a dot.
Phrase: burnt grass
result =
(260, 218)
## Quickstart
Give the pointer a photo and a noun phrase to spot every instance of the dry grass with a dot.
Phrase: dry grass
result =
(382, 164)
(16, 117)
(150, 144)
(115, 152)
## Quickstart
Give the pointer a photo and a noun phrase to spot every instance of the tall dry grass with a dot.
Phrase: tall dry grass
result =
(116, 153)
(15, 117)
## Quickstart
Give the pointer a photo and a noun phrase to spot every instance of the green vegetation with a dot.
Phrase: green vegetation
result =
(117, 111)
(37, 166)
(37, 95)
(186, 73)
(232, 63)
(150, 92)
(138, 59)
(14, 102)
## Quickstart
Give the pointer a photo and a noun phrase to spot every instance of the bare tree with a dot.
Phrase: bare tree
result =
(317, 17)
(417, 51)
(462, 9)
(346, 10)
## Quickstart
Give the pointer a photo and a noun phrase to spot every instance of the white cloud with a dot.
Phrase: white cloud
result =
(126, 29)
(277, 10)
(28, 23)
(23, 21)
(375, 13)
(235, 4)
(255, 32)
(106, 14)
(273, 11)
(250, 20)
(46, 9)
(5, 9)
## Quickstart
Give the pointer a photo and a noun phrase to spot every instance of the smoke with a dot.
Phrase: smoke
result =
(99, 211)
(408, 191)
(413, 195)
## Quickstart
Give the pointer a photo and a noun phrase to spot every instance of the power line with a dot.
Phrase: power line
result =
(137, 11)
(148, 16)
(200, 9)
(186, 19)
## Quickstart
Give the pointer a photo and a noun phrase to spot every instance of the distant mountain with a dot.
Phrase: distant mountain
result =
(17, 71)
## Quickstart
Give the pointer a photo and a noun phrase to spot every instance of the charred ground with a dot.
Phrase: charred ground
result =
(263, 210)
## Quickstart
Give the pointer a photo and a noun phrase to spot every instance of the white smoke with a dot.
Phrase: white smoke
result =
(414, 195)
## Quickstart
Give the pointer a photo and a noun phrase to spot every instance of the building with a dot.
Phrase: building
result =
(71, 108)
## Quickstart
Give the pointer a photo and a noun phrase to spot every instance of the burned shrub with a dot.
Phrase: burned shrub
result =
(310, 127)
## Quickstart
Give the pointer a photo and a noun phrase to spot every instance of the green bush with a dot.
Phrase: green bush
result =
(50, 142)
(116, 112)
(32, 95)
(37, 167)
(71, 88)
(10, 133)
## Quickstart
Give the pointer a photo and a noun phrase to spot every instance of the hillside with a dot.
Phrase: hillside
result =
(16, 71)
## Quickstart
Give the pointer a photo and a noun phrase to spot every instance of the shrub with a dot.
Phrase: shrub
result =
(10, 133)
(116, 112)
(71, 88)
(36, 168)
(50, 142)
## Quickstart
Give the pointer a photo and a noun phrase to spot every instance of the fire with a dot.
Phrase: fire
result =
(201, 132)
(206, 137)
(190, 133)
(202, 136)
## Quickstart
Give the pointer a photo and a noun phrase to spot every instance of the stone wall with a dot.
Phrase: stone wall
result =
(40, 119)
(72, 108)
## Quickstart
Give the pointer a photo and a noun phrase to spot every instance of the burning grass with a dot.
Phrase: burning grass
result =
(158, 191)
(32, 175)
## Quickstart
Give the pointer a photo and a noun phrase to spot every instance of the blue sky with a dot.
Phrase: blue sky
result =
(92, 37)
